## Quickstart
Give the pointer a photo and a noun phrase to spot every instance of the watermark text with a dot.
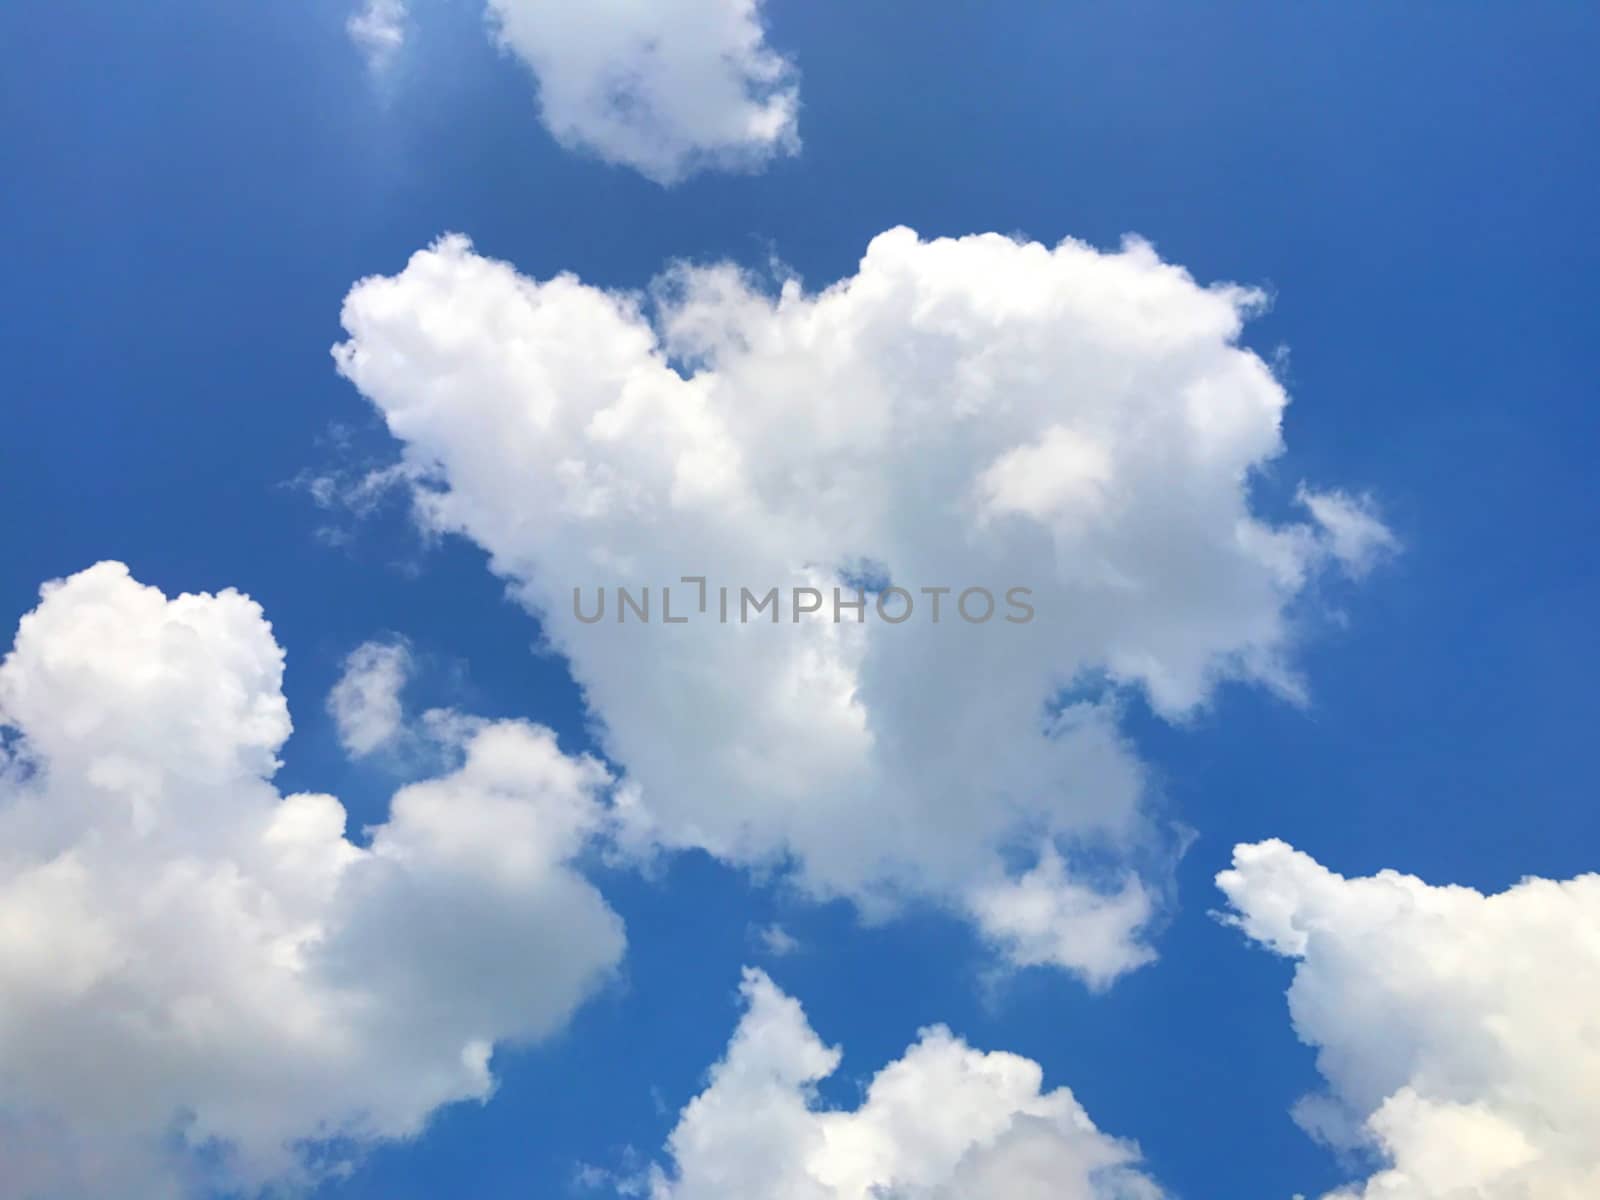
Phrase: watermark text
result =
(694, 598)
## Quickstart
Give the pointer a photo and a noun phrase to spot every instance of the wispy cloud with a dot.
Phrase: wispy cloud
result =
(379, 30)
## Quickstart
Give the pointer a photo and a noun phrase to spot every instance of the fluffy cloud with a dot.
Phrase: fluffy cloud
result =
(941, 1123)
(1457, 1032)
(1356, 535)
(667, 87)
(978, 412)
(379, 31)
(191, 961)
(365, 703)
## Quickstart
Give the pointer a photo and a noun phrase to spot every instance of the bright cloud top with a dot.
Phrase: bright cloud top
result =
(972, 412)
(189, 958)
(668, 87)
(1458, 1032)
(944, 1122)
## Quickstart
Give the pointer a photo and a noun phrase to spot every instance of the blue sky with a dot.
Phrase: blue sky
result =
(191, 190)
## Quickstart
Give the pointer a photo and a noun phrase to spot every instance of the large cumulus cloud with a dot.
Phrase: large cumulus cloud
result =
(970, 412)
(1458, 1032)
(190, 961)
(943, 1122)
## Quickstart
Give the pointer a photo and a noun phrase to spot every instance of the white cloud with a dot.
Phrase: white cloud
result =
(776, 941)
(1046, 917)
(668, 87)
(365, 702)
(379, 31)
(944, 1122)
(190, 959)
(1457, 1032)
(1357, 536)
(962, 413)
